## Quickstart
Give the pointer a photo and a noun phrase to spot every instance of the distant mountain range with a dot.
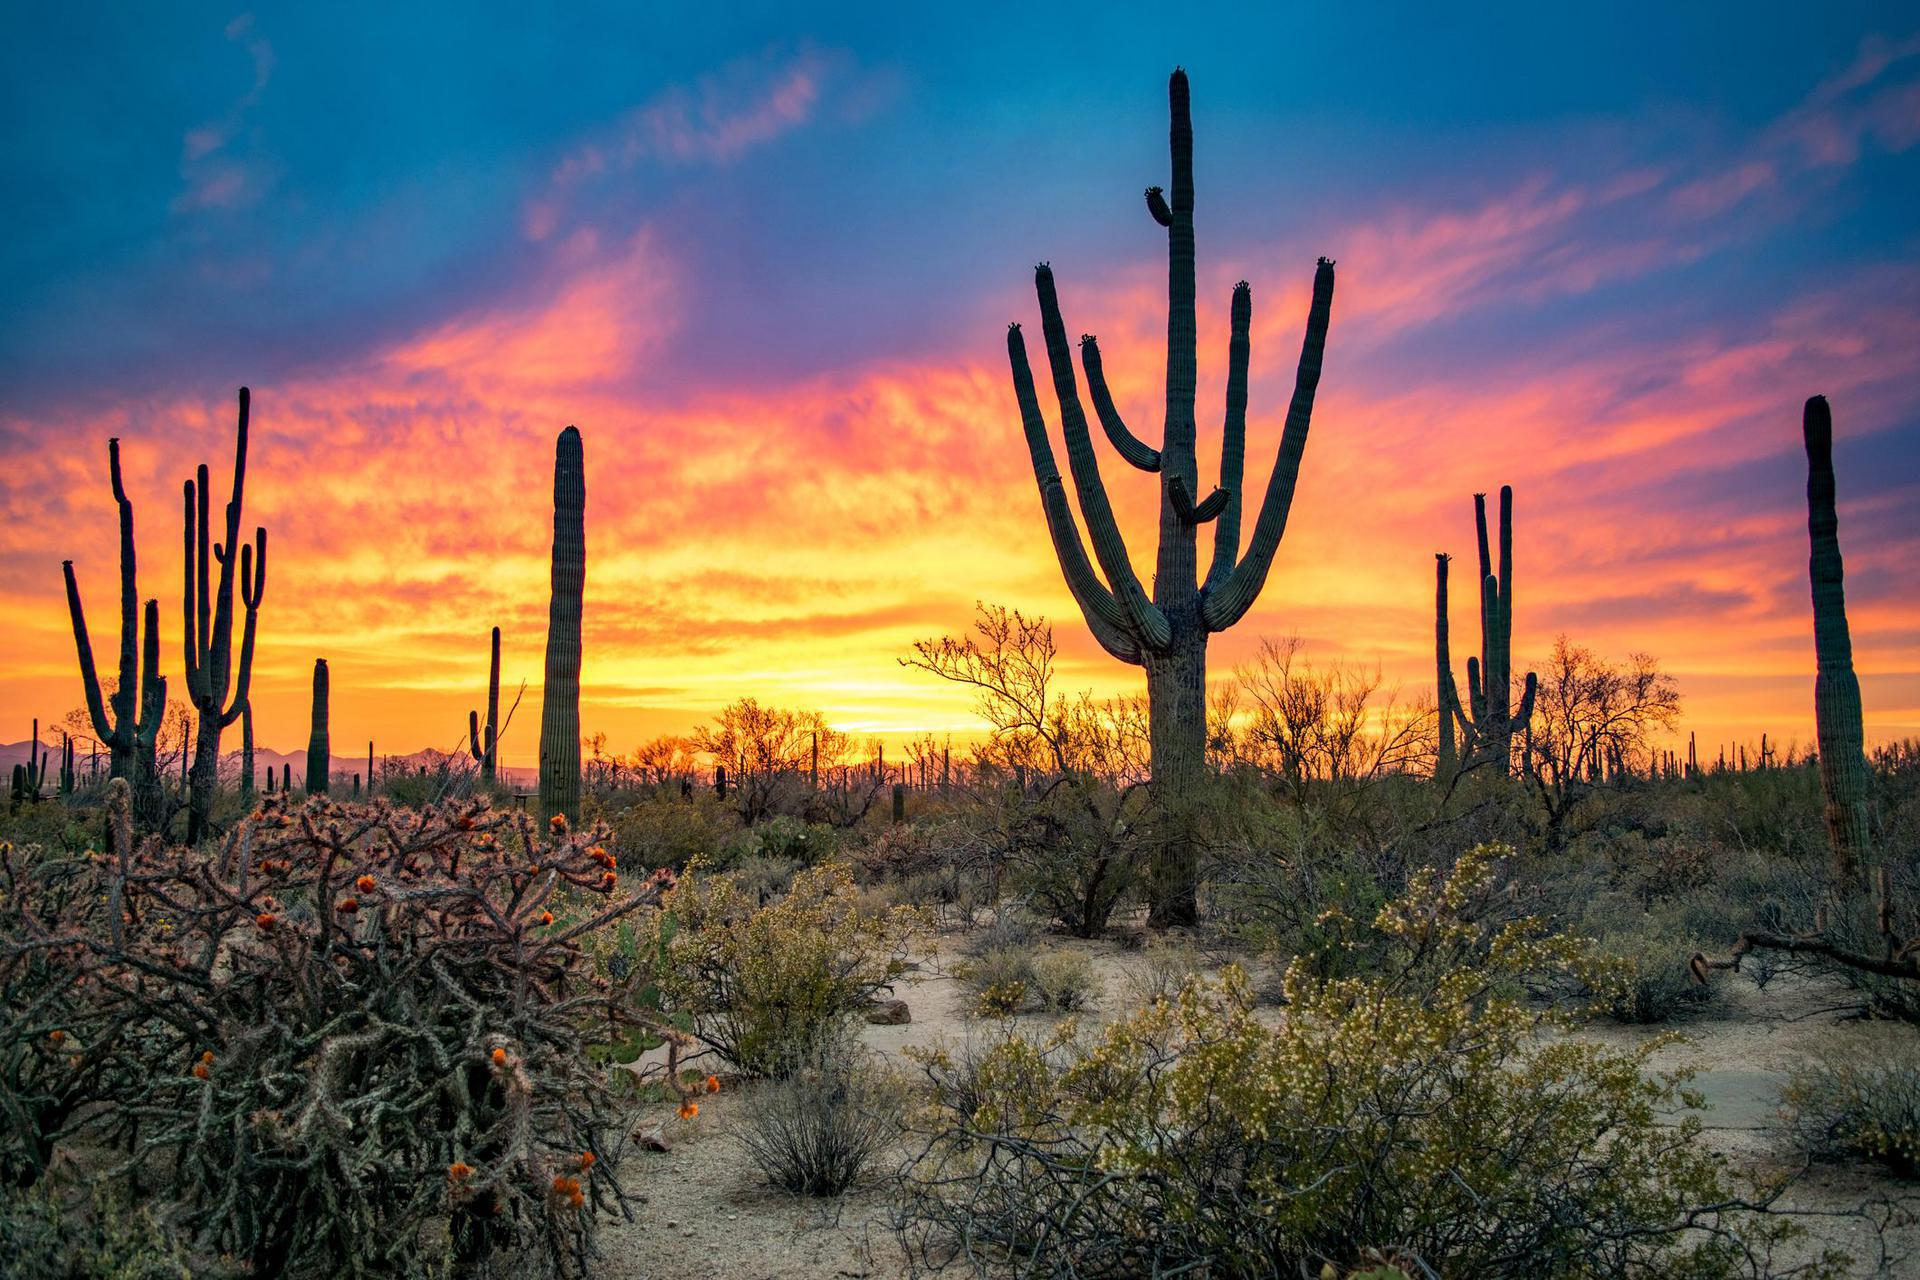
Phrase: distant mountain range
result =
(12, 753)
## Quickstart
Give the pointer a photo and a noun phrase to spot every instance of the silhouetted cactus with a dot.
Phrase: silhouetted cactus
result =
(28, 778)
(1487, 721)
(246, 750)
(1167, 634)
(318, 751)
(130, 721)
(68, 775)
(560, 712)
(1836, 690)
(485, 749)
(208, 622)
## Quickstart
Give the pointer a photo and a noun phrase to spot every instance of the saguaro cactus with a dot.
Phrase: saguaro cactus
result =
(1488, 720)
(560, 713)
(134, 722)
(246, 749)
(1167, 634)
(485, 749)
(208, 623)
(1836, 690)
(318, 751)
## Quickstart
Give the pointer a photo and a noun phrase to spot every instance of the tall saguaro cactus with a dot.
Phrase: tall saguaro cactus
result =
(560, 714)
(1836, 690)
(128, 722)
(1488, 720)
(484, 750)
(1167, 633)
(319, 751)
(208, 623)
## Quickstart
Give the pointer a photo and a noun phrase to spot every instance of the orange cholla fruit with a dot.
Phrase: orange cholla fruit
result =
(364, 884)
(609, 880)
(499, 1057)
(347, 906)
(559, 824)
(459, 1171)
(713, 1084)
(566, 1186)
(586, 1159)
(56, 1036)
(265, 920)
(200, 1071)
(689, 1109)
(546, 917)
(207, 1057)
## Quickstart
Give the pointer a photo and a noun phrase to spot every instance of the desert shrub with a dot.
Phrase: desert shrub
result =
(1416, 1107)
(1012, 925)
(1295, 897)
(1165, 966)
(818, 1131)
(1064, 981)
(668, 831)
(764, 879)
(354, 1035)
(1862, 1103)
(999, 983)
(1076, 851)
(46, 1238)
(764, 985)
(1657, 986)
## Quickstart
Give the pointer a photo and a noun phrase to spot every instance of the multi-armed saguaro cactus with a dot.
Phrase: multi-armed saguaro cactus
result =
(1836, 690)
(319, 753)
(560, 714)
(208, 623)
(482, 749)
(1167, 633)
(136, 712)
(1488, 721)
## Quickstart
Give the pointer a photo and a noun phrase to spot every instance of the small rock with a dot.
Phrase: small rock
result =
(889, 1013)
(654, 1139)
(672, 1225)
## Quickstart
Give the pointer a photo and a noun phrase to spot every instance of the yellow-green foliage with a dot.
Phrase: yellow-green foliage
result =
(1415, 1106)
(764, 984)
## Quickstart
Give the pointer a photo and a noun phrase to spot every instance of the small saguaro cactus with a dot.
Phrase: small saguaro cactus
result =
(128, 722)
(1167, 633)
(208, 625)
(318, 754)
(67, 772)
(560, 711)
(1488, 720)
(32, 775)
(1836, 689)
(483, 750)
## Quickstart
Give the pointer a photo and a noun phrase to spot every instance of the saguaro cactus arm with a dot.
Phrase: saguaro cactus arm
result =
(1229, 601)
(1190, 511)
(208, 621)
(1105, 618)
(1128, 445)
(1233, 439)
(103, 728)
(1109, 548)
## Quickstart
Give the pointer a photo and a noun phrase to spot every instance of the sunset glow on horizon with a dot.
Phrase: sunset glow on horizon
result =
(768, 277)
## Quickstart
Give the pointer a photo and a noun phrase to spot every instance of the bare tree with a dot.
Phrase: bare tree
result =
(1590, 716)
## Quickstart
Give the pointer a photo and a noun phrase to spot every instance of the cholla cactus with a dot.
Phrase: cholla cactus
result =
(349, 1022)
(1488, 720)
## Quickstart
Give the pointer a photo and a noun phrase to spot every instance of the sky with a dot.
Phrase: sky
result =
(764, 259)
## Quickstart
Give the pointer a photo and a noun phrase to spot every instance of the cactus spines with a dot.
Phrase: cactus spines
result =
(318, 757)
(1488, 720)
(483, 750)
(128, 722)
(208, 624)
(560, 711)
(1167, 634)
(1836, 689)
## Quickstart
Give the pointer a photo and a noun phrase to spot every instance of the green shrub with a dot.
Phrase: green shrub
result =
(1658, 987)
(765, 985)
(1165, 967)
(1000, 983)
(1859, 1102)
(668, 831)
(1064, 981)
(1416, 1107)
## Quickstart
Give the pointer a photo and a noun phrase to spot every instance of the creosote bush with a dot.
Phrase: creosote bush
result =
(1855, 1103)
(1413, 1108)
(352, 1036)
(766, 985)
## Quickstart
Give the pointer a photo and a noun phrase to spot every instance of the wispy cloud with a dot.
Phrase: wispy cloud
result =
(221, 164)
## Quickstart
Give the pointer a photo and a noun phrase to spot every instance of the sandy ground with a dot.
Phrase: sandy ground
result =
(706, 1213)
